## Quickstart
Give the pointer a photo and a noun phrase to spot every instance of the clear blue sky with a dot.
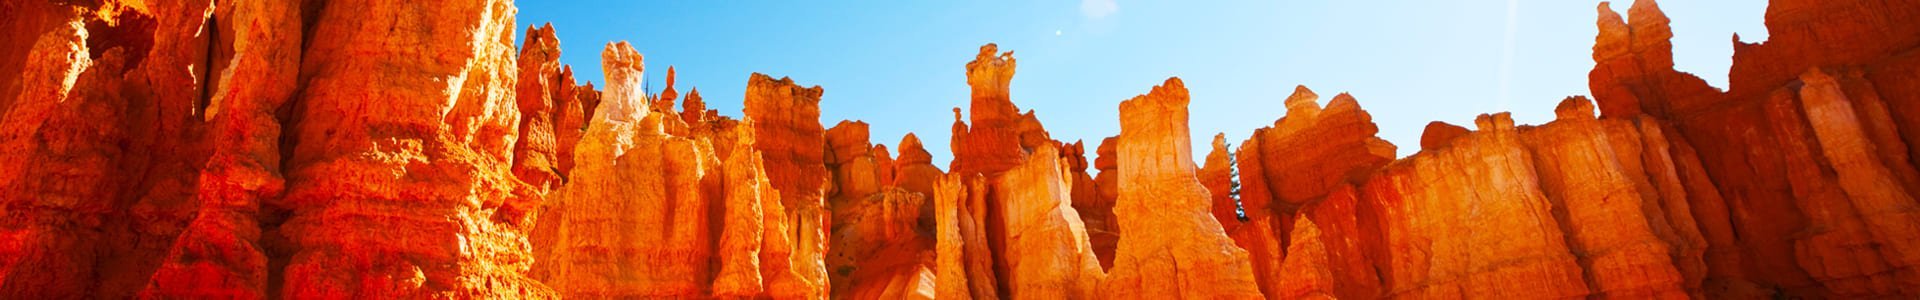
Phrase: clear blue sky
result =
(899, 65)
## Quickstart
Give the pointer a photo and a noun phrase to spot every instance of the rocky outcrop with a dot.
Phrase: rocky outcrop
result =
(1600, 208)
(951, 282)
(1217, 176)
(1310, 150)
(108, 141)
(1045, 250)
(745, 223)
(553, 119)
(400, 184)
(1037, 244)
(1171, 246)
(635, 176)
(1096, 210)
(1438, 133)
(1308, 270)
(259, 149)
(1514, 247)
(785, 120)
(1795, 195)
(967, 232)
(990, 141)
(913, 170)
(1338, 238)
(1297, 161)
(53, 213)
(882, 240)
(220, 254)
(702, 218)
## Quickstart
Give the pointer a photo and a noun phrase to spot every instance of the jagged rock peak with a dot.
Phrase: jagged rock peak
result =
(623, 100)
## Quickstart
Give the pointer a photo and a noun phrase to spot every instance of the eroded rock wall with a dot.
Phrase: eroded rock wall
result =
(309, 150)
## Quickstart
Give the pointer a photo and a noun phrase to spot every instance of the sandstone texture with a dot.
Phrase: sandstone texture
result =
(374, 149)
(1170, 245)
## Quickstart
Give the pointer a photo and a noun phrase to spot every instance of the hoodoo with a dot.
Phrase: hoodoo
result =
(393, 149)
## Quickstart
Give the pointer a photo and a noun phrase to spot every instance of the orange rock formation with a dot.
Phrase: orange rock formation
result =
(273, 149)
(1170, 245)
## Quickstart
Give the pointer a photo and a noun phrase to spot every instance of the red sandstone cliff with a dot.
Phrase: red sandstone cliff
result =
(308, 151)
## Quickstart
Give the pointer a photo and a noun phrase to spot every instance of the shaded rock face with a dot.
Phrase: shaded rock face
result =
(883, 235)
(785, 121)
(90, 91)
(1096, 210)
(309, 151)
(400, 182)
(1798, 173)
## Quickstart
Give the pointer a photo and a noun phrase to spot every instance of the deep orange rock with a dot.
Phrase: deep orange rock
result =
(1779, 215)
(1309, 151)
(695, 109)
(1303, 156)
(664, 101)
(785, 120)
(1599, 206)
(978, 256)
(64, 120)
(1645, 150)
(700, 187)
(1096, 211)
(993, 141)
(950, 252)
(1347, 236)
(1638, 56)
(1217, 176)
(1439, 133)
(1046, 251)
(633, 175)
(1438, 251)
(886, 254)
(258, 149)
(95, 101)
(220, 254)
(1171, 247)
(851, 160)
(1308, 271)
(1885, 206)
(1034, 240)
(553, 111)
(879, 250)
(1262, 236)
(914, 169)
(744, 222)
(399, 185)
(541, 104)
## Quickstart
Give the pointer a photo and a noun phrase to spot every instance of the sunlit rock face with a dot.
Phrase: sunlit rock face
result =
(1170, 245)
(274, 149)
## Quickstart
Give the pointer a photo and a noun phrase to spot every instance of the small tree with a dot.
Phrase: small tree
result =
(1233, 183)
